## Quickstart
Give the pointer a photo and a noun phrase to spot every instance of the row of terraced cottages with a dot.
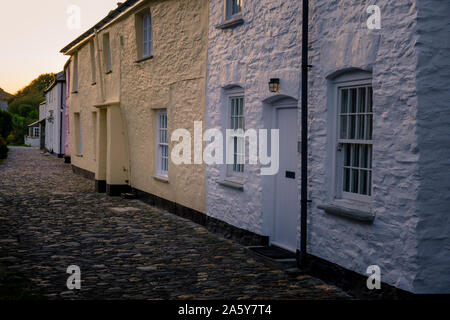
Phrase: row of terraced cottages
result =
(379, 143)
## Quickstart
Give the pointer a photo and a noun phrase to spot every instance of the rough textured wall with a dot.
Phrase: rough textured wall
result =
(340, 39)
(67, 89)
(53, 130)
(83, 102)
(173, 79)
(266, 46)
(433, 89)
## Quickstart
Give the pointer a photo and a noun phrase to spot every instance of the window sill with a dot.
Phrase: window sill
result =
(231, 23)
(79, 155)
(160, 178)
(231, 184)
(144, 59)
(353, 214)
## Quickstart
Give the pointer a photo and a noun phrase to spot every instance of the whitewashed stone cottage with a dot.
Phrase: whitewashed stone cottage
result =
(32, 139)
(54, 115)
(379, 142)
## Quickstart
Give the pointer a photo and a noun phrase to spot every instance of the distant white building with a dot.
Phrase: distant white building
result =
(52, 112)
(33, 137)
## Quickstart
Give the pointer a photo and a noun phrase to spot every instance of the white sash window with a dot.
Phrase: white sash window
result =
(162, 144)
(354, 142)
(147, 35)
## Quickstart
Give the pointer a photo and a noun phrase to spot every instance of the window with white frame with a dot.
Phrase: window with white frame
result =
(144, 34)
(147, 35)
(233, 8)
(354, 140)
(75, 73)
(237, 123)
(162, 144)
(78, 135)
(35, 132)
(107, 53)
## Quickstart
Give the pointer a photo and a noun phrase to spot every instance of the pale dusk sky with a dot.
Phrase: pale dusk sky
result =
(33, 32)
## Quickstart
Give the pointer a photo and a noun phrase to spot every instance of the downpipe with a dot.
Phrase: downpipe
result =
(302, 256)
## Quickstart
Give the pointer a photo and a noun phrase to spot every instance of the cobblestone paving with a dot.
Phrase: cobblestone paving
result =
(51, 218)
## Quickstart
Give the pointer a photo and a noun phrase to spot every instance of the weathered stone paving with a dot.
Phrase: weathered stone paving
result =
(51, 219)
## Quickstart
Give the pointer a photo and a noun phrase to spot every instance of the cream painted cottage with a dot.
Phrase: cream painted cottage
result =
(135, 77)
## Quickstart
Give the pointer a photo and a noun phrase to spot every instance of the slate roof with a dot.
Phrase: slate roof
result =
(60, 77)
(121, 7)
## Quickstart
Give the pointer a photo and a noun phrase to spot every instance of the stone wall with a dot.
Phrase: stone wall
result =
(433, 117)
(174, 79)
(266, 45)
(340, 39)
(83, 102)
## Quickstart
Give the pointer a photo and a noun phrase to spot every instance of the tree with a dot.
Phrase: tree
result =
(5, 129)
(6, 125)
(25, 106)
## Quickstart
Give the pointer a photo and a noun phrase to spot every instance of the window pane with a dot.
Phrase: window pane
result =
(344, 100)
(361, 99)
(365, 156)
(364, 177)
(370, 100)
(347, 155)
(346, 180)
(361, 127)
(355, 155)
(370, 183)
(369, 127)
(354, 183)
(344, 127)
(352, 127)
(353, 100)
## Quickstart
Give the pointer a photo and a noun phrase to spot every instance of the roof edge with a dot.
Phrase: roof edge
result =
(112, 15)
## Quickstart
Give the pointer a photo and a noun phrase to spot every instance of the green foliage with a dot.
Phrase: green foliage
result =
(29, 98)
(20, 129)
(6, 125)
(25, 107)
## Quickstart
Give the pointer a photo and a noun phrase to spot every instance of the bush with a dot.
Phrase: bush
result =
(3, 150)
(6, 124)
(20, 129)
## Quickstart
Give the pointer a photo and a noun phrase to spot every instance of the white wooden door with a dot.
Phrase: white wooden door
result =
(286, 181)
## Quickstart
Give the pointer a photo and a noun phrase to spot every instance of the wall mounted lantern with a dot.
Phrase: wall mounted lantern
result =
(274, 85)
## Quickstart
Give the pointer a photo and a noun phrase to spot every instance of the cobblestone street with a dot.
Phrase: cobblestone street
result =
(51, 218)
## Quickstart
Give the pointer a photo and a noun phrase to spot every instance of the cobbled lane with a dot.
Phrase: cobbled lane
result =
(51, 218)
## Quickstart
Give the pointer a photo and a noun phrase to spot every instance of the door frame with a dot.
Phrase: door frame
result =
(286, 103)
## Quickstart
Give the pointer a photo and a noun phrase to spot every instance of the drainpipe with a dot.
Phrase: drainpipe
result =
(100, 66)
(304, 148)
(61, 119)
